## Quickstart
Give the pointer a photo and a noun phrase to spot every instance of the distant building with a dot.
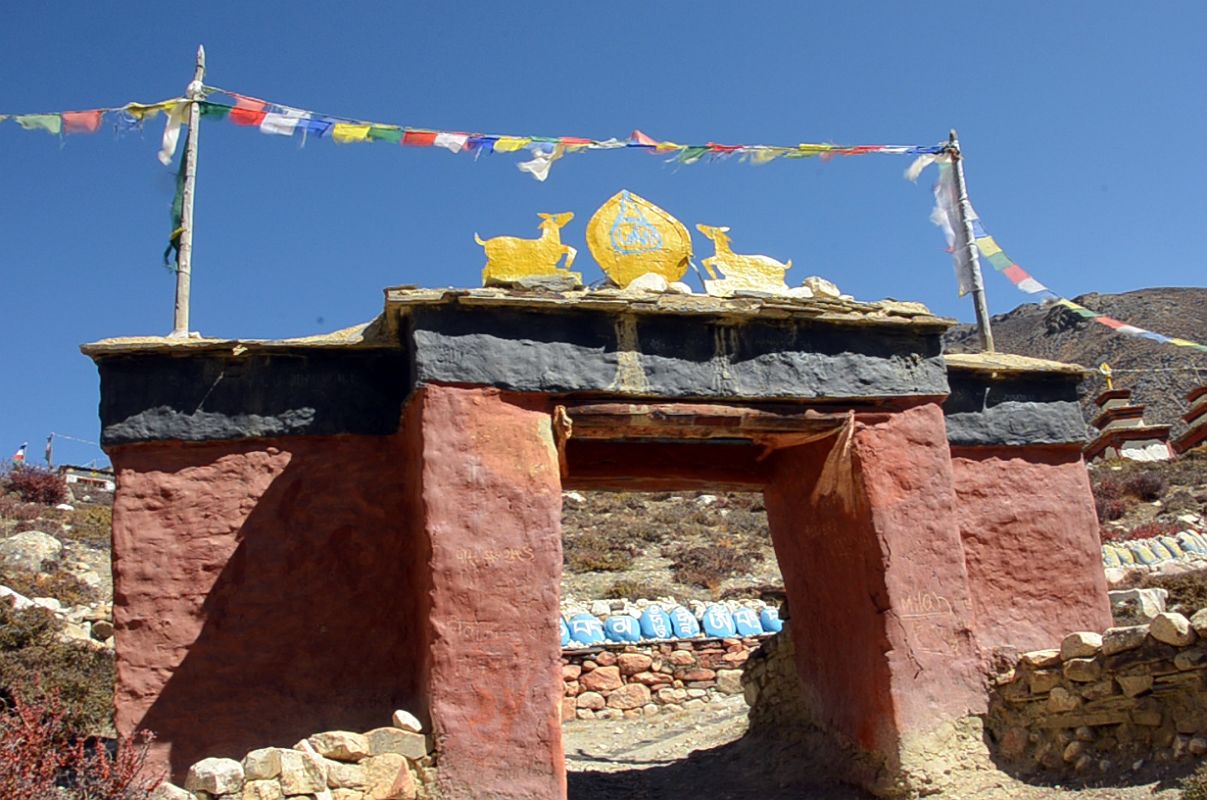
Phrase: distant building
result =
(1122, 432)
(88, 478)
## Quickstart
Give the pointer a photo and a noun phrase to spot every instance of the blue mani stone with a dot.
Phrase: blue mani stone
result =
(655, 624)
(565, 630)
(586, 630)
(770, 620)
(622, 628)
(684, 624)
(747, 622)
(719, 622)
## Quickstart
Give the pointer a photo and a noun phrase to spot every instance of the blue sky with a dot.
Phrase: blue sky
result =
(1082, 123)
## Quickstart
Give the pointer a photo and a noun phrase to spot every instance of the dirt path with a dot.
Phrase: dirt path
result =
(700, 756)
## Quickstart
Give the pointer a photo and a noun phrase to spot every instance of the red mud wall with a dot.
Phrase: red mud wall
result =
(1031, 543)
(265, 590)
(492, 499)
(878, 594)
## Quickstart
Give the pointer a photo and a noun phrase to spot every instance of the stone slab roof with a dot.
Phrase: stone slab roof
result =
(1009, 363)
(747, 306)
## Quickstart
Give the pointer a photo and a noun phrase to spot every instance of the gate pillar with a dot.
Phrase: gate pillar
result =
(492, 511)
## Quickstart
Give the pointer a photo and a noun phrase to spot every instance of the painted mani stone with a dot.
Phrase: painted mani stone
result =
(770, 620)
(747, 622)
(684, 624)
(655, 624)
(719, 622)
(586, 629)
(622, 628)
(565, 630)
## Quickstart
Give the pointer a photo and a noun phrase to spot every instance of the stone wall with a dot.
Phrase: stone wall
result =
(394, 762)
(1103, 702)
(615, 681)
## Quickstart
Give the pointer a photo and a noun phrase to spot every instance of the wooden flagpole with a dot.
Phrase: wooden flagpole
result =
(969, 243)
(184, 261)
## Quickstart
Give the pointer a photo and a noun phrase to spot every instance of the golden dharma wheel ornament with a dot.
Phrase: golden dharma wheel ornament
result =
(510, 259)
(630, 236)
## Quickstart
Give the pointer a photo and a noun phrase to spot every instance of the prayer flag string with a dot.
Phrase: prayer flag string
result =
(282, 120)
(992, 252)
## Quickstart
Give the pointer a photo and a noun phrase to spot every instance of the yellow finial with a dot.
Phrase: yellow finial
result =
(1105, 369)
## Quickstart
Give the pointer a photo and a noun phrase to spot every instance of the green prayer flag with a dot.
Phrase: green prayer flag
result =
(386, 133)
(171, 255)
(51, 123)
(215, 110)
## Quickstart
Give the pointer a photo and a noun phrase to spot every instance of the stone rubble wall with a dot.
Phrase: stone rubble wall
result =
(395, 762)
(1104, 702)
(616, 681)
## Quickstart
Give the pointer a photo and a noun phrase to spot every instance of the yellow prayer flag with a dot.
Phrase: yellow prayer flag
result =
(509, 144)
(988, 246)
(764, 155)
(662, 147)
(347, 132)
(1182, 342)
(142, 112)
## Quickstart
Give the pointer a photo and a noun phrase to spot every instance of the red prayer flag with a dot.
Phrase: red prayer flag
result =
(723, 148)
(640, 138)
(1015, 273)
(419, 138)
(248, 111)
(81, 121)
(572, 140)
(1110, 322)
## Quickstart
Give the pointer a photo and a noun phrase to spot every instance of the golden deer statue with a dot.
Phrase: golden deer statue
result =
(509, 258)
(759, 273)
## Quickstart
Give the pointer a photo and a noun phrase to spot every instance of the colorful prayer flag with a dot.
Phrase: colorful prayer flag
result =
(82, 121)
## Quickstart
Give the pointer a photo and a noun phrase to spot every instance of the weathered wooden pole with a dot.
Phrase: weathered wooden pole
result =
(184, 259)
(969, 245)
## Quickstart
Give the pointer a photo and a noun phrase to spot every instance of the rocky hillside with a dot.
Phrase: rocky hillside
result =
(1164, 373)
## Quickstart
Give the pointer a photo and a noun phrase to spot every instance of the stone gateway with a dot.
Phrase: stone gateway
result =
(292, 517)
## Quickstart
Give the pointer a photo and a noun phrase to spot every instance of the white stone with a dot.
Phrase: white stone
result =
(65, 507)
(820, 286)
(706, 500)
(649, 282)
(215, 776)
(301, 773)
(340, 745)
(48, 603)
(20, 602)
(1199, 620)
(31, 551)
(600, 608)
(574, 497)
(802, 292)
(1149, 602)
(407, 721)
(341, 775)
(1172, 628)
(1117, 640)
(405, 743)
(679, 287)
(262, 790)
(263, 764)
(169, 791)
(1082, 644)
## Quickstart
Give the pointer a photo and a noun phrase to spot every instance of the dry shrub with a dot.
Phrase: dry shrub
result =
(598, 550)
(13, 507)
(1150, 529)
(1194, 785)
(710, 565)
(53, 581)
(1146, 486)
(31, 654)
(93, 524)
(36, 485)
(43, 758)
(632, 589)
